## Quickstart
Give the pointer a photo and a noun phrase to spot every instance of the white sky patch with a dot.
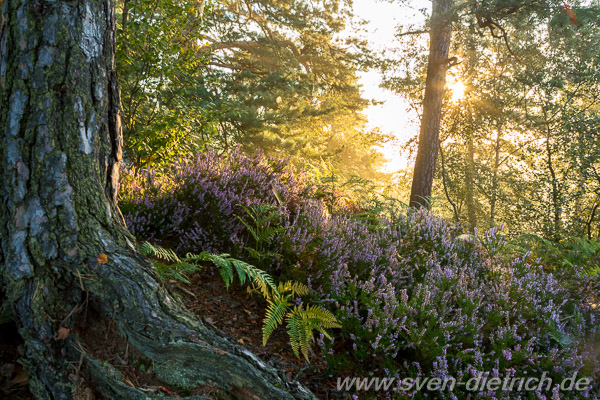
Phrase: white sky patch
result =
(395, 115)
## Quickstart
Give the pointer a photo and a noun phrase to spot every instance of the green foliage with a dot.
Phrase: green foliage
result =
(289, 80)
(300, 322)
(274, 75)
(263, 222)
(178, 269)
(566, 253)
(520, 146)
(161, 67)
(157, 251)
(228, 266)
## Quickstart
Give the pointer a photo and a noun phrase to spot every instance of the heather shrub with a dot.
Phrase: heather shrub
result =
(460, 312)
(192, 205)
(413, 295)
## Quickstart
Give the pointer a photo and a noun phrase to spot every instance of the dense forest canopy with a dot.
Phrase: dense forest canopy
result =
(274, 75)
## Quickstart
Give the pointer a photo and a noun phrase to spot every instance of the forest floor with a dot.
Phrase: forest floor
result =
(240, 316)
(234, 311)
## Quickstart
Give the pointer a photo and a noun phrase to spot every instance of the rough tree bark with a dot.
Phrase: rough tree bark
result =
(59, 170)
(437, 64)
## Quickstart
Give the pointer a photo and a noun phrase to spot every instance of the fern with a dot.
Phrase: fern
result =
(274, 317)
(302, 322)
(294, 288)
(296, 333)
(229, 266)
(179, 270)
(157, 251)
(262, 226)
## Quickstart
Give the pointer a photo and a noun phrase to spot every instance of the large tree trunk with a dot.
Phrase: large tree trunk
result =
(59, 165)
(437, 65)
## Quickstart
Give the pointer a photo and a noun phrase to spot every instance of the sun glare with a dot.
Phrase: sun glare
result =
(458, 90)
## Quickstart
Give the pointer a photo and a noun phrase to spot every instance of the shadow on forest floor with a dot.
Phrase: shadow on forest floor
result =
(235, 312)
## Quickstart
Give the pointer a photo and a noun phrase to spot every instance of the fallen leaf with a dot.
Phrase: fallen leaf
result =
(164, 389)
(21, 379)
(63, 333)
(102, 259)
(240, 341)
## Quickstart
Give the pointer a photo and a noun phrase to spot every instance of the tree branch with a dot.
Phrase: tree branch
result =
(417, 32)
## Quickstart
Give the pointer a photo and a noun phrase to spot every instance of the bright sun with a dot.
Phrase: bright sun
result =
(458, 90)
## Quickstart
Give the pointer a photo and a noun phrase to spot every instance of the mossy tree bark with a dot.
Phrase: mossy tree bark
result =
(59, 166)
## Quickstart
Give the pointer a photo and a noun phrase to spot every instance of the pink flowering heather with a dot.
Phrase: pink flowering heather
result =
(414, 299)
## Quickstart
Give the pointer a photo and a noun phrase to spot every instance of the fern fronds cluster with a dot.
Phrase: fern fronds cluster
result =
(229, 266)
(300, 322)
(178, 270)
(262, 225)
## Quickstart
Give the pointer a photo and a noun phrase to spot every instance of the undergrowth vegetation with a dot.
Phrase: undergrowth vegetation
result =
(301, 321)
(414, 296)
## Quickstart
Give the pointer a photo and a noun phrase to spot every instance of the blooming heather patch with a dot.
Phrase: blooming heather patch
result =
(414, 299)
(193, 204)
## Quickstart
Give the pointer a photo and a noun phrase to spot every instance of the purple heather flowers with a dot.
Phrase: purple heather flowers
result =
(413, 299)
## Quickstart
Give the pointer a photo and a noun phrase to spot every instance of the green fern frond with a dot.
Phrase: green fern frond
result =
(294, 288)
(204, 256)
(301, 324)
(294, 323)
(260, 277)
(318, 317)
(274, 317)
(250, 229)
(178, 270)
(227, 264)
(262, 218)
(157, 251)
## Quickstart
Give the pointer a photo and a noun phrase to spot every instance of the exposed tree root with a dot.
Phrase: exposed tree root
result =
(184, 353)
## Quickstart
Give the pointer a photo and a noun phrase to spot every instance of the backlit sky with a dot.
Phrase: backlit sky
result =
(393, 116)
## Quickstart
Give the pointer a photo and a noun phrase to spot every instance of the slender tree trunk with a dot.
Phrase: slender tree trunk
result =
(125, 16)
(556, 206)
(59, 163)
(591, 220)
(439, 44)
(494, 195)
(470, 184)
(443, 166)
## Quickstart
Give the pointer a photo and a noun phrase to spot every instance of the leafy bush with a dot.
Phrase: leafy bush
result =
(301, 322)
